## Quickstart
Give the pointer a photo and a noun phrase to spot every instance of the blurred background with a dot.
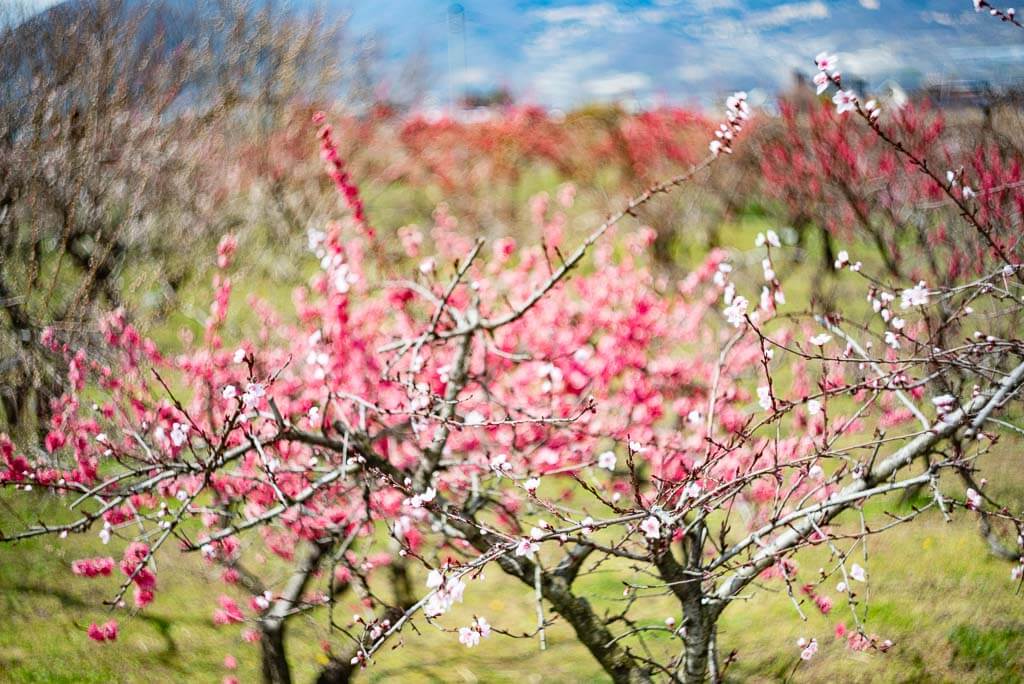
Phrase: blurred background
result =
(135, 133)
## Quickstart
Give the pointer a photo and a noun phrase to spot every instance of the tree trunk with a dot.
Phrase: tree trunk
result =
(272, 654)
(337, 671)
(699, 629)
(590, 629)
(272, 625)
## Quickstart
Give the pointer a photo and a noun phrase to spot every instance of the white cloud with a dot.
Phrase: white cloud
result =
(618, 84)
(16, 11)
(710, 6)
(692, 72)
(592, 15)
(471, 76)
(654, 16)
(870, 61)
(870, 4)
(941, 18)
(559, 81)
(784, 15)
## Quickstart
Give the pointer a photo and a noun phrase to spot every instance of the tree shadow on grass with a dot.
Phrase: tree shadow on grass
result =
(167, 655)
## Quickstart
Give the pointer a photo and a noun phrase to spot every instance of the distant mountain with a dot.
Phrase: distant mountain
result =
(566, 52)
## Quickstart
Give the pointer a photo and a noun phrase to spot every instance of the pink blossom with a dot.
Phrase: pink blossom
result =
(470, 636)
(228, 613)
(809, 648)
(845, 101)
(821, 80)
(651, 527)
(826, 62)
(527, 547)
(915, 296)
(974, 500)
(254, 393)
(93, 567)
(106, 632)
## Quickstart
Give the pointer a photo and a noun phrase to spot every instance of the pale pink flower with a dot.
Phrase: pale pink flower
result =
(914, 296)
(825, 61)
(736, 312)
(845, 101)
(179, 434)
(425, 497)
(527, 547)
(651, 527)
(469, 637)
(821, 80)
(446, 592)
(254, 392)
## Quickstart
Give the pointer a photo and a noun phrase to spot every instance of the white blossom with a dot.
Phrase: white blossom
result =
(254, 391)
(820, 340)
(845, 101)
(651, 527)
(469, 637)
(179, 434)
(527, 547)
(736, 312)
(825, 61)
(821, 80)
(425, 497)
(914, 296)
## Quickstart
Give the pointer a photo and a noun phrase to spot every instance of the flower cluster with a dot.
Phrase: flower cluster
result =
(336, 171)
(471, 636)
(737, 112)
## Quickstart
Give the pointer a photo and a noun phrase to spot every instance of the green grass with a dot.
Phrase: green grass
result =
(949, 607)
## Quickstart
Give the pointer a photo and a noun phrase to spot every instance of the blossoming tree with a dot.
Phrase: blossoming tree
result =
(547, 411)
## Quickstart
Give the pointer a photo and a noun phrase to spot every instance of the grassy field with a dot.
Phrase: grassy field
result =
(948, 605)
(950, 608)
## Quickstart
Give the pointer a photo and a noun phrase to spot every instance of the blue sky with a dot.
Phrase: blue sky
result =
(564, 53)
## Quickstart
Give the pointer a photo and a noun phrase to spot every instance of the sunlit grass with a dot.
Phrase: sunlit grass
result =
(948, 605)
(935, 591)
